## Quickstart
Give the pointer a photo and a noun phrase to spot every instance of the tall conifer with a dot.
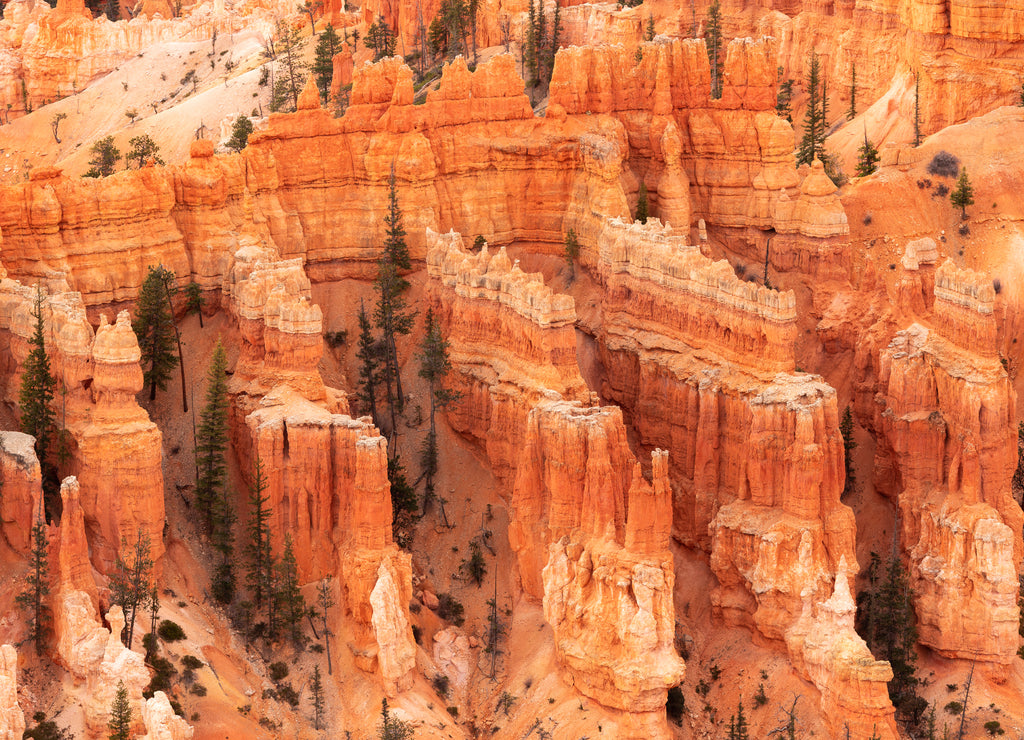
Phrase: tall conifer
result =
(154, 327)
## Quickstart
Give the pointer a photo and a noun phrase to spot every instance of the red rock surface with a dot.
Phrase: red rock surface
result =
(22, 487)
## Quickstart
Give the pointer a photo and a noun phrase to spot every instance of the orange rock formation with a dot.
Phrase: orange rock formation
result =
(101, 376)
(22, 486)
(947, 449)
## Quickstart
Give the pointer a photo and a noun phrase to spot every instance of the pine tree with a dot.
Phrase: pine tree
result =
(963, 194)
(380, 40)
(35, 396)
(404, 505)
(368, 354)
(132, 582)
(392, 314)
(867, 157)
(316, 690)
(154, 326)
(392, 728)
(783, 98)
(530, 52)
(327, 46)
(260, 573)
(917, 110)
(851, 113)
(846, 429)
(291, 605)
(143, 148)
(713, 40)
(739, 729)
(814, 122)
(291, 70)
(434, 368)
(542, 43)
(194, 300)
(212, 439)
(325, 600)
(120, 722)
(105, 157)
(650, 33)
(571, 251)
(240, 133)
(642, 213)
(556, 30)
(37, 584)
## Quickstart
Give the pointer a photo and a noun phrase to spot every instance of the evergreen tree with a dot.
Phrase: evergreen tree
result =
(392, 314)
(713, 41)
(112, 8)
(105, 157)
(194, 300)
(240, 133)
(392, 728)
(846, 429)
(327, 46)
(120, 722)
(212, 439)
(542, 42)
(530, 51)
(291, 605)
(325, 600)
(917, 110)
(472, 10)
(552, 46)
(291, 70)
(738, 729)
(37, 584)
(404, 505)
(260, 573)
(143, 148)
(153, 326)
(784, 98)
(380, 40)
(34, 398)
(642, 213)
(867, 157)
(131, 585)
(650, 33)
(571, 251)
(963, 194)
(434, 368)
(814, 121)
(851, 113)
(316, 690)
(368, 354)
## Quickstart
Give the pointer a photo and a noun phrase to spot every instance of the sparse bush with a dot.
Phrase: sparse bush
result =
(954, 707)
(760, 698)
(441, 684)
(997, 286)
(993, 728)
(285, 692)
(951, 687)
(703, 687)
(161, 680)
(198, 689)
(454, 712)
(676, 705)
(450, 609)
(278, 672)
(867, 219)
(716, 672)
(941, 191)
(191, 662)
(336, 338)
(964, 230)
(170, 631)
(944, 164)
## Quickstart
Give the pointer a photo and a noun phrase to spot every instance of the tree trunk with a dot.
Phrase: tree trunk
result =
(181, 360)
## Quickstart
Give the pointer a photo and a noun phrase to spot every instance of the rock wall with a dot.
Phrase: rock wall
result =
(314, 187)
(513, 342)
(325, 472)
(114, 449)
(947, 448)
(12, 719)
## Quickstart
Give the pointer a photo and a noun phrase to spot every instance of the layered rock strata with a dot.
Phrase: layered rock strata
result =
(947, 448)
(325, 473)
(513, 342)
(114, 449)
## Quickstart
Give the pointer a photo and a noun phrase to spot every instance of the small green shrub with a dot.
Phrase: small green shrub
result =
(191, 662)
(441, 684)
(994, 728)
(170, 631)
(454, 712)
(954, 707)
(450, 609)
(278, 672)
(198, 689)
(285, 692)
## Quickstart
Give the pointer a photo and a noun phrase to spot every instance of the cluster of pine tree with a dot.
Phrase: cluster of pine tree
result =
(713, 43)
(541, 45)
(452, 27)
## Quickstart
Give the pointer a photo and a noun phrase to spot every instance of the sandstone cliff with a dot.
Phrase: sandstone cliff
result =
(12, 719)
(22, 487)
(945, 414)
